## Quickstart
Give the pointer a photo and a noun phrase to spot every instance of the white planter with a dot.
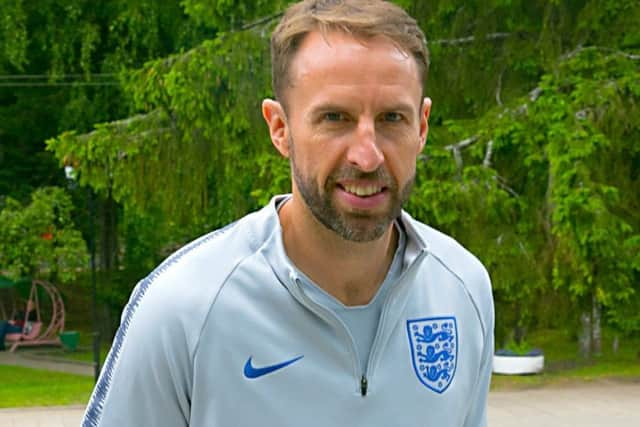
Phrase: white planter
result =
(518, 365)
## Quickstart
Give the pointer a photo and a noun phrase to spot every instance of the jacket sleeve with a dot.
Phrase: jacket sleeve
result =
(477, 415)
(146, 379)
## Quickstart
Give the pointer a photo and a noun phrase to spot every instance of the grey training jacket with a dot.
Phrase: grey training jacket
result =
(221, 334)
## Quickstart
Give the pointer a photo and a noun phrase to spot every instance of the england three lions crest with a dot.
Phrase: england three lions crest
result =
(434, 350)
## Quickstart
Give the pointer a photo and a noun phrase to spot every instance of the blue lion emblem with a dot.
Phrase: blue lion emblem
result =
(434, 350)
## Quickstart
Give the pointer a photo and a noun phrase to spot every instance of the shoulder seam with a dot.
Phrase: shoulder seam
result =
(466, 289)
(213, 302)
(254, 250)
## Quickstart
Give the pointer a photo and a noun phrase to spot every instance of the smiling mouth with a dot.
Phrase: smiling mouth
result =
(363, 190)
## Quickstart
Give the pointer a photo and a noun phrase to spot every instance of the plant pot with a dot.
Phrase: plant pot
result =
(69, 340)
(508, 363)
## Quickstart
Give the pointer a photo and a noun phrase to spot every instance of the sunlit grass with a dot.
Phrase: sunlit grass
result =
(21, 387)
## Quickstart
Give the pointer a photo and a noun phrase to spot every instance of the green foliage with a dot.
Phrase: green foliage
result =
(274, 176)
(39, 239)
(13, 34)
(114, 34)
(521, 348)
(60, 62)
(228, 15)
(595, 130)
(174, 144)
(545, 191)
(559, 151)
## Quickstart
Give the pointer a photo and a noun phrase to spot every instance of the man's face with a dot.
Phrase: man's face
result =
(354, 125)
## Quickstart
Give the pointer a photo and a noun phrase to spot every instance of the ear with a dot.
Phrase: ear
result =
(424, 122)
(276, 119)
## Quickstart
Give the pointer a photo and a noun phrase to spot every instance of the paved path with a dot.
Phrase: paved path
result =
(601, 404)
(57, 416)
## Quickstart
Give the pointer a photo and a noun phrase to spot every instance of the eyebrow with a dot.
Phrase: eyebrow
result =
(328, 106)
(401, 107)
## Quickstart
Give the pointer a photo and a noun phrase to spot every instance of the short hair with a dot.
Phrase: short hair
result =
(360, 18)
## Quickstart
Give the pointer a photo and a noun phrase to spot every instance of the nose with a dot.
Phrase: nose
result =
(363, 151)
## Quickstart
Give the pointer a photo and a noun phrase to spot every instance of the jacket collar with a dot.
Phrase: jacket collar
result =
(274, 252)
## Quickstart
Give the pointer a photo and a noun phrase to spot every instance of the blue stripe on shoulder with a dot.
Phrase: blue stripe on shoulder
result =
(96, 405)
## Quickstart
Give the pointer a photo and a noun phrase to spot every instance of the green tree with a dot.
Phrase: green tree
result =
(39, 240)
(569, 148)
(531, 160)
(61, 62)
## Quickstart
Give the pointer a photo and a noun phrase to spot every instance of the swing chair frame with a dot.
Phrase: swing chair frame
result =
(38, 335)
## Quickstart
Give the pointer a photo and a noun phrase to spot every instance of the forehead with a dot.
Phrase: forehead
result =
(336, 57)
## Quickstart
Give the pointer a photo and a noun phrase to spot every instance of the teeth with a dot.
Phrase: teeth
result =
(363, 191)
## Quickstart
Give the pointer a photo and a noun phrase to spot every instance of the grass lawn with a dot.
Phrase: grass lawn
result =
(30, 387)
(33, 387)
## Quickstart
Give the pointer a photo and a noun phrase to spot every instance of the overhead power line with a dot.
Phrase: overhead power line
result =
(49, 80)
(45, 84)
(52, 76)
(56, 80)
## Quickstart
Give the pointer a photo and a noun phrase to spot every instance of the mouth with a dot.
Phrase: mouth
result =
(366, 190)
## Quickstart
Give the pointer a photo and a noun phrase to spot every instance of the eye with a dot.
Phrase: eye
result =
(333, 116)
(392, 116)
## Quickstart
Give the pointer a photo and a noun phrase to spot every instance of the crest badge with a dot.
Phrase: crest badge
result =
(434, 350)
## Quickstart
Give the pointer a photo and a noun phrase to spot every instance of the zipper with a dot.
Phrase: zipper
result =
(329, 317)
(333, 320)
(373, 354)
(364, 384)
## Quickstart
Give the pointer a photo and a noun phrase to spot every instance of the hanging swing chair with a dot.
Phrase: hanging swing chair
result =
(37, 332)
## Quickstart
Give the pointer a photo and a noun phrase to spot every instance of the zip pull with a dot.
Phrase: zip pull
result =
(363, 385)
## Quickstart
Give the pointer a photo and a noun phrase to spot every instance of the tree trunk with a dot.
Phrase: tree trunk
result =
(585, 336)
(518, 330)
(596, 330)
(109, 237)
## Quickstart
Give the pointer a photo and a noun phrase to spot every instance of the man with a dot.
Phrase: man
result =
(9, 327)
(330, 306)
(21, 323)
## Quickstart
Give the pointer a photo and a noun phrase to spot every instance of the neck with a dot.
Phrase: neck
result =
(350, 271)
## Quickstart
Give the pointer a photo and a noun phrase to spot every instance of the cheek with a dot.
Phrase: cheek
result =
(401, 161)
(308, 164)
(323, 156)
(403, 141)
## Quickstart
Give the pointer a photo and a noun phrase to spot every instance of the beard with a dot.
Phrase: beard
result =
(352, 226)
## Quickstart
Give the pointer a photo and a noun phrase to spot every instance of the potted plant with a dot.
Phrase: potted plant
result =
(518, 359)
